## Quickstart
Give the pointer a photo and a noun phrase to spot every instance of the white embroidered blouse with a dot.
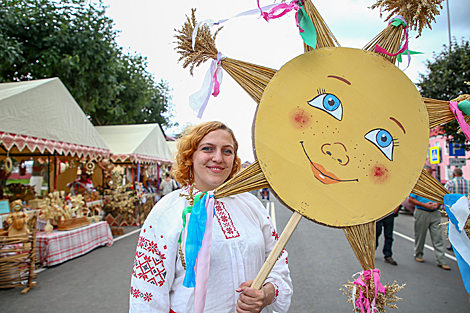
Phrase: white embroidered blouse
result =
(242, 238)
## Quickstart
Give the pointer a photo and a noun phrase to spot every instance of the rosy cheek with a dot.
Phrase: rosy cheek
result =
(379, 174)
(299, 118)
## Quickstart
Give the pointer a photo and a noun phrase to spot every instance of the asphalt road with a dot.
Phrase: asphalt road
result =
(320, 259)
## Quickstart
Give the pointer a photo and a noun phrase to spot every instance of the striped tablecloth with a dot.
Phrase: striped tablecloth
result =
(60, 246)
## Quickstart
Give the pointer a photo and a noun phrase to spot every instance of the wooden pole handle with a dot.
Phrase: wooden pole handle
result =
(274, 255)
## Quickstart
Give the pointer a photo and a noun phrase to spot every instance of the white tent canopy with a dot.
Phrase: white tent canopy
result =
(42, 115)
(144, 143)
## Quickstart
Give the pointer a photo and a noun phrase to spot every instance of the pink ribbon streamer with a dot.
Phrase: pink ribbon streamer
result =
(379, 49)
(216, 82)
(363, 302)
(284, 8)
(460, 118)
(204, 258)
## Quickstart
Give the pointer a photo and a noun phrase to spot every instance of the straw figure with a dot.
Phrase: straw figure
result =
(362, 157)
(17, 220)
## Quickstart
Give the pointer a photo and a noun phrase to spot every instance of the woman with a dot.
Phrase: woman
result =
(242, 238)
(167, 185)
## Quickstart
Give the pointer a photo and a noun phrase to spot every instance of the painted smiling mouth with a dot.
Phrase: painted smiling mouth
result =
(321, 174)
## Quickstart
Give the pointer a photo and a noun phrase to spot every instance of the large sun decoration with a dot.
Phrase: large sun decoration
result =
(340, 135)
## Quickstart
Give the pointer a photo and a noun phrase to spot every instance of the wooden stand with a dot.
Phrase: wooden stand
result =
(18, 261)
(72, 223)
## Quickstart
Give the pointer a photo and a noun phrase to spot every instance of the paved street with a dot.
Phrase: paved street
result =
(320, 259)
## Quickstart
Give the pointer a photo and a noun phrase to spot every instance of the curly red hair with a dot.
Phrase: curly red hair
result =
(187, 145)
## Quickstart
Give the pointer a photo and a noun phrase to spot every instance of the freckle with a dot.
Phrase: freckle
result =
(363, 168)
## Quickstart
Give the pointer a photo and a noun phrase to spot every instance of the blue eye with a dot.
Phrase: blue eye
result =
(331, 102)
(383, 140)
(328, 103)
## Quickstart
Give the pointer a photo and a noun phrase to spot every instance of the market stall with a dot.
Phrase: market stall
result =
(41, 122)
(142, 150)
(60, 246)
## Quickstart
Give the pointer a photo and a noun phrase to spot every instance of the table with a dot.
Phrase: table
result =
(60, 246)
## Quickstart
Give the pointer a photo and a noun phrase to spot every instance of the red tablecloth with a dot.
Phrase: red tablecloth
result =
(60, 246)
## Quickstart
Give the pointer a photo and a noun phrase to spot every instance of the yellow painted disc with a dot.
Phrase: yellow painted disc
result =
(341, 135)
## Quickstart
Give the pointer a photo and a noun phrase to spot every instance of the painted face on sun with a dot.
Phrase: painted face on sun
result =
(341, 136)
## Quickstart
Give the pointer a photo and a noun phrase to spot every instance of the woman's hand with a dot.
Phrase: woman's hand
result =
(253, 300)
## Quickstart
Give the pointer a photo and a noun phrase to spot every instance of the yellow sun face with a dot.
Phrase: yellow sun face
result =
(341, 136)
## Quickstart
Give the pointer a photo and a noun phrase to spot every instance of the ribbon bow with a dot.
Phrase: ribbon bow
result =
(363, 301)
(211, 85)
(303, 22)
(397, 21)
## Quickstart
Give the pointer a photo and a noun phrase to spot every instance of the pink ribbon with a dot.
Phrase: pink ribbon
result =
(460, 118)
(405, 45)
(204, 258)
(363, 301)
(211, 85)
(216, 82)
(284, 8)
(379, 49)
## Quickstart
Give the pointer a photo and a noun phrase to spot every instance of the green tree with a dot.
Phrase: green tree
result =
(445, 80)
(75, 41)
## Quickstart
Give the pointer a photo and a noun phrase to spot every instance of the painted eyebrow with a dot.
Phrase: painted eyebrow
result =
(344, 80)
(399, 124)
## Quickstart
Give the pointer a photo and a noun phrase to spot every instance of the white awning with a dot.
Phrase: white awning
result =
(42, 115)
(141, 143)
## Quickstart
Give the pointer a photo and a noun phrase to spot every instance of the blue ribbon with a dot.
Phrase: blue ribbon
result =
(196, 229)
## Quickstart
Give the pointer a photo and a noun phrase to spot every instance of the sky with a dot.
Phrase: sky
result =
(147, 28)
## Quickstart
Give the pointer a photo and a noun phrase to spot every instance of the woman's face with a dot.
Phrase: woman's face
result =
(213, 160)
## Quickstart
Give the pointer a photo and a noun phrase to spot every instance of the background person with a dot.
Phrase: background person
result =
(167, 185)
(458, 184)
(427, 216)
(83, 184)
(242, 237)
(387, 223)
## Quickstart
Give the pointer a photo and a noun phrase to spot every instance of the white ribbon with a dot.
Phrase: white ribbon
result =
(198, 100)
(211, 23)
(457, 237)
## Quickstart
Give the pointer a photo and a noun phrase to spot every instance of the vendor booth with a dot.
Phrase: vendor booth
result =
(41, 122)
(141, 150)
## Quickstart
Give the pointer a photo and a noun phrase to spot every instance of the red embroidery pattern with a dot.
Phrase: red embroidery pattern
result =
(275, 235)
(136, 293)
(276, 293)
(147, 267)
(225, 221)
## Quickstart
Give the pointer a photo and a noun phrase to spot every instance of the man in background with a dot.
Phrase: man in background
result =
(458, 184)
(427, 216)
(387, 224)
